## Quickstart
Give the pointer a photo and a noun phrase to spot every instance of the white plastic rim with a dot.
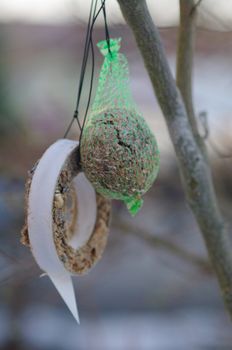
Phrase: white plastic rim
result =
(40, 220)
(86, 209)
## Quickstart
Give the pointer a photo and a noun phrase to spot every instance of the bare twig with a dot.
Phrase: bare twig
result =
(184, 70)
(184, 63)
(194, 169)
(184, 60)
(195, 6)
(158, 242)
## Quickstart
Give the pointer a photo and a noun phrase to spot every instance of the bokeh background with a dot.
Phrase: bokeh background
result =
(153, 288)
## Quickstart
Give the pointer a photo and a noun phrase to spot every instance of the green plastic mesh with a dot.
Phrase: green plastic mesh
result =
(119, 153)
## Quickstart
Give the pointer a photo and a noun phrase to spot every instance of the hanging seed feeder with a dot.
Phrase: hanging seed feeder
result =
(119, 153)
(68, 191)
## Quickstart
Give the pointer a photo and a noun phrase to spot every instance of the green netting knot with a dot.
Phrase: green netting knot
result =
(113, 44)
(119, 153)
(133, 204)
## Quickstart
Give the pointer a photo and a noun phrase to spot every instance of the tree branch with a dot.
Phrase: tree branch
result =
(195, 172)
(158, 242)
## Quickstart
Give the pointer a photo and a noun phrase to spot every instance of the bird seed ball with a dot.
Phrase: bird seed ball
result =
(119, 153)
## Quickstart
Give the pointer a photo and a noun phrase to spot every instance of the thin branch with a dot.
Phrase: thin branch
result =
(184, 60)
(195, 6)
(184, 63)
(170, 247)
(194, 169)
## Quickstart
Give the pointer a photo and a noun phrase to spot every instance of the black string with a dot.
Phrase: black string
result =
(83, 68)
(93, 60)
(90, 89)
(106, 26)
(86, 52)
(88, 45)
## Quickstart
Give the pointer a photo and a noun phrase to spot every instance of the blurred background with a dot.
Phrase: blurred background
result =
(153, 288)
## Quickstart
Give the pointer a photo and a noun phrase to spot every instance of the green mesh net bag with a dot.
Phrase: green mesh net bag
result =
(119, 153)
